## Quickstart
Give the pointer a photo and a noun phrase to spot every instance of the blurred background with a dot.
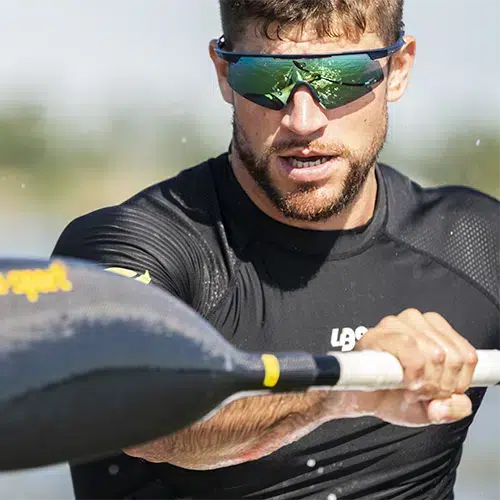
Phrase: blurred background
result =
(101, 98)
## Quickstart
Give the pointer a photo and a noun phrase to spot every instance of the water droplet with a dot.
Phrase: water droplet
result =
(184, 140)
(113, 470)
(23, 186)
(320, 470)
(331, 496)
(478, 143)
(311, 462)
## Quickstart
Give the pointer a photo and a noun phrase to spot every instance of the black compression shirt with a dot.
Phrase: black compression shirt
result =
(267, 286)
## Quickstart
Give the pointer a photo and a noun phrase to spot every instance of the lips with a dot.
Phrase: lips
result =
(307, 162)
(299, 171)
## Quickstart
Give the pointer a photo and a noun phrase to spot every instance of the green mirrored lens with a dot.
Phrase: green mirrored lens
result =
(260, 79)
(336, 80)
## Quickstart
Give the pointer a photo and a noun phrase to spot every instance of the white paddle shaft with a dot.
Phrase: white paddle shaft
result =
(373, 370)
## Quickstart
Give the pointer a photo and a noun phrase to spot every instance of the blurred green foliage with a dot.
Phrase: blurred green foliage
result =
(55, 153)
(23, 138)
(467, 161)
(29, 140)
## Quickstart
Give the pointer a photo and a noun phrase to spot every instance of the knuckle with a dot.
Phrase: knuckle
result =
(410, 342)
(389, 322)
(433, 390)
(448, 385)
(461, 388)
(443, 395)
(471, 358)
(438, 355)
(415, 366)
(443, 392)
(412, 312)
(454, 363)
(433, 316)
(431, 387)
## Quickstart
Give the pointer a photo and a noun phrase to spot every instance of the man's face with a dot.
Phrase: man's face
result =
(346, 140)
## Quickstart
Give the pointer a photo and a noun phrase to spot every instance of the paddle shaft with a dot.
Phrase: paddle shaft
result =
(371, 370)
(92, 362)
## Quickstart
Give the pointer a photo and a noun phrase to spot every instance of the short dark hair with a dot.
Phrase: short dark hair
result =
(347, 18)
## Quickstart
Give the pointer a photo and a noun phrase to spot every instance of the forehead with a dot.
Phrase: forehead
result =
(304, 40)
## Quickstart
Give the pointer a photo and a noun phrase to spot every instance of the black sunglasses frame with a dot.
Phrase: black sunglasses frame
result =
(234, 57)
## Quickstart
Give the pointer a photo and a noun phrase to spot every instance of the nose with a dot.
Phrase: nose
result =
(304, 115)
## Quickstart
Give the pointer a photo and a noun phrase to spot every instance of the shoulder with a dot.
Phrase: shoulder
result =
(443, 208)
(406, 194)
(168, 229)
(455, 225)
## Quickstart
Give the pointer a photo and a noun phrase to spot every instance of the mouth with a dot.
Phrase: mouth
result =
(307, 162)
(309, 168)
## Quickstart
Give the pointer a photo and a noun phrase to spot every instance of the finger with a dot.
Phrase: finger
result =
(435, 354)
(450, 359)
(443, 411)
(399, 342)
(463, 367)
(396, 337)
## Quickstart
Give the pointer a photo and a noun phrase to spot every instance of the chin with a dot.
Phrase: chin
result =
(311, 206)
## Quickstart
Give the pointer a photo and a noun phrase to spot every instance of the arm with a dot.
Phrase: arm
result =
(251, 428)
(246, 429)
(438, 365)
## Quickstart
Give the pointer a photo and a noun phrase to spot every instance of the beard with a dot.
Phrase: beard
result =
(310, 202)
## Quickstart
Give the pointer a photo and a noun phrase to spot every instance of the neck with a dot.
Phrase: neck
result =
(355, 215)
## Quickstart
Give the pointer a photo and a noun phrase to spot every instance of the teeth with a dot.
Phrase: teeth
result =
(307, 164)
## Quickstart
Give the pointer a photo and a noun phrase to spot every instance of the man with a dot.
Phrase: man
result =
(298, 239)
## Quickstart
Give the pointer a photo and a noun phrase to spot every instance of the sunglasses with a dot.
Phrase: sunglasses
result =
(270, 80)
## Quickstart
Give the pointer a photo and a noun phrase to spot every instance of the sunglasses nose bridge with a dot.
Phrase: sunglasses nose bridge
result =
(309, 87)
(304, 116)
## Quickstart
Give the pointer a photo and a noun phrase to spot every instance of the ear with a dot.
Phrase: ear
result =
(401, 68)
(222, 69)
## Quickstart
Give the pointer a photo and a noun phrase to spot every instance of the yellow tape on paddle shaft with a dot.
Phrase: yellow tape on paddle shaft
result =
(272, 369)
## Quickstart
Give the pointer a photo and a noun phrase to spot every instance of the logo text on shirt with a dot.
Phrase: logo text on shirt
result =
(347, 337)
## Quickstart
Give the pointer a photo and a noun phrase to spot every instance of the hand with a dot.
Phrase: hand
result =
(438, 366)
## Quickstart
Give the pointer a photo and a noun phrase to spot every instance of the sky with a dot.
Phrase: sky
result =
(87, 56)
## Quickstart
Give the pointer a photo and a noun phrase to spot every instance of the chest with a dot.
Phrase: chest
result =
(284, 301)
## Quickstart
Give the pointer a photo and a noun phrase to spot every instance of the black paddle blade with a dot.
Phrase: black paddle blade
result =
(92, 362)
